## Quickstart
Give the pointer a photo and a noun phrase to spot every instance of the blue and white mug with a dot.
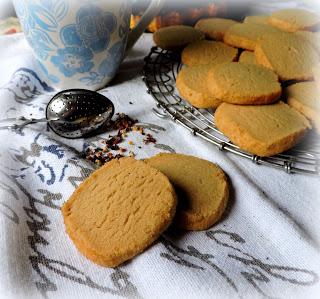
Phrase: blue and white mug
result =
(80, 43)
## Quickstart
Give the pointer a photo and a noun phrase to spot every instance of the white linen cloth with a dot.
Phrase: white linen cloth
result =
(266, 245)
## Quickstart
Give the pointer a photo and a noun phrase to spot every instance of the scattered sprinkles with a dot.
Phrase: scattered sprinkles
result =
(111, 149)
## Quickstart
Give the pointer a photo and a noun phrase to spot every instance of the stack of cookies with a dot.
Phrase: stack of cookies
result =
(124, 206)
(261, 75)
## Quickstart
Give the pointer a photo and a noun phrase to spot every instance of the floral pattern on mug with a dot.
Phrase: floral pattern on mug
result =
(42, 16)
(72, 60)
(79, 41)
(95, 26)
(109, 65)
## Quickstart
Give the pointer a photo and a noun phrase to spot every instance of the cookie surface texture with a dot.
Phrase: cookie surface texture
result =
(259, 19)
(246, 35)
(243, 84)
(119, 211)
(192, 86)
(214, 28)
(292, 20)
(316, 75)
(262, 130)
(208, 52)
(177, 36)
(201, 187)
(247, 57)
(292, 58)
(312, 37)
(304, 97)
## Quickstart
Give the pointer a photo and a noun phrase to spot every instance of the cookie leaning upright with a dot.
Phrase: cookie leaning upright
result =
(119, 211)
(208, 52)
(201, 186)
(304, 97)
(214, 28)
(177, 36)
(288, 55)
(243, 84)
(292, 20)
(262, 130)
(192, 86)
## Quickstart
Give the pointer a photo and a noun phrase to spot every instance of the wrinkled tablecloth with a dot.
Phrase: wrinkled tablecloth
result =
(266, 245)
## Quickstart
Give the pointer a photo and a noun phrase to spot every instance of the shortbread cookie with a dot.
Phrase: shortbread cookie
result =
(312, 37)
(304, 97)
(247, 57)
(201, 187)
(292, 20)
(246, 35)
(177, 36)
(288, 55)
(262, 130)
(192, 86)
(208, 52)
(214, 28)
(119, 211)
(259, 19)
(243, 84)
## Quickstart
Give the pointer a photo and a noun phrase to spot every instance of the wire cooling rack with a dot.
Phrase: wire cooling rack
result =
(160, 70)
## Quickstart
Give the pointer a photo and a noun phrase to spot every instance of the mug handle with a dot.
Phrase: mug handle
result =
(153, 9)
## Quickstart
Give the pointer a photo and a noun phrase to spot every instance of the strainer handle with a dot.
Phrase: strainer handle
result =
(25, 122)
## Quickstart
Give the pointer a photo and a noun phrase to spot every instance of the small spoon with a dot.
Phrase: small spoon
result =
(73, 113)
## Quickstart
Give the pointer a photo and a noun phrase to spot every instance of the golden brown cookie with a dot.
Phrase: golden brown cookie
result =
(247, 57)
(214, 28)
(304, 97)
(119, 211)
(192, 86)
(177, 36)
(246, 35)
(259, 19)
(201, 186)
(312, 37)
(243, 84)
(262, 130)
(292, 20)
(288, 55)
(208, 52)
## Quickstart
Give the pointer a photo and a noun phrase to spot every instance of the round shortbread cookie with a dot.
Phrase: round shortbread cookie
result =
(288, 55)
(214, 28)
(243, 84)
(119, 211)
(304, 97)
(259, 19)
(201, 187)
(177, 36)
(292, 20)
(192, 86)
(247, 57)
(246, 35)
(262, 130)
(208, 52)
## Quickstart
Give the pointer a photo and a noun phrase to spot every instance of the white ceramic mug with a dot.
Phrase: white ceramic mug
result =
(81, 43)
